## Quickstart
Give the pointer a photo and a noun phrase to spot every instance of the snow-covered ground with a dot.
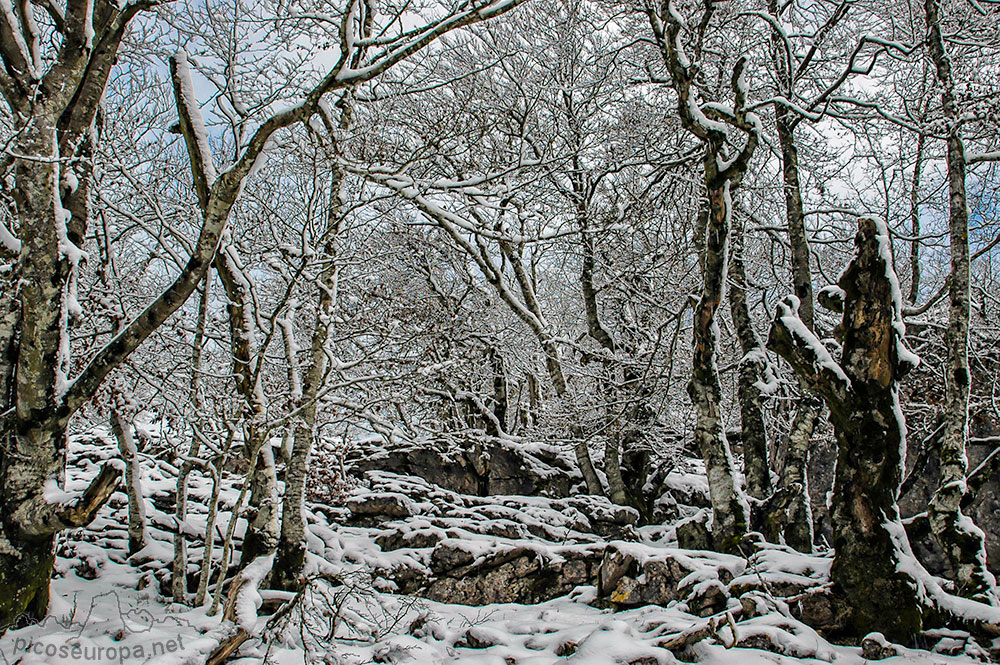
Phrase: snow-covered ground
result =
(108, 608)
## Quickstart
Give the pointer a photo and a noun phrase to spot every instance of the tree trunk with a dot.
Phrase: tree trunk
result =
(291, 551)
(798, 531)
(722, 173)
(208, 549)
(862, 394)
(794, 473)
(34, 456)
(613, 467)
(962, 542)
(729, 508)
(262, 525)
(10, 322)
(25, 569)
(755, 461)
(500, 393)
(31, 521)
(534, 398)
(797, 239)
(121, 425)
(178, 587)
(617, 422)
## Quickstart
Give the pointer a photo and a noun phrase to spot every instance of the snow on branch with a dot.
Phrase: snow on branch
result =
(791, 339)
(977, 158)
(192, 126)
(413, 190)
(56, 510)
(13, 47)
(9, 241)
(413, 40)
(229, 183)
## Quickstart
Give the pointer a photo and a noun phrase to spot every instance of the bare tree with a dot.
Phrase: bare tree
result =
(54, 100)
(960, 539)
(722, 173)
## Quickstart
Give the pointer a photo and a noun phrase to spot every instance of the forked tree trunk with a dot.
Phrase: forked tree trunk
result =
(861, 391)
(291, 550)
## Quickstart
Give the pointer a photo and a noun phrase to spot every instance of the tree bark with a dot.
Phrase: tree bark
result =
(262, 526)
(754, 435)
(534, 397)
(862, 394)
(10, 318)
(961, 540)
(121, 425)
(291, 551)
(722, 174)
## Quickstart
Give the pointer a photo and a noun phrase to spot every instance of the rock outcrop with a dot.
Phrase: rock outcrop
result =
(480, 466)
(456, 548)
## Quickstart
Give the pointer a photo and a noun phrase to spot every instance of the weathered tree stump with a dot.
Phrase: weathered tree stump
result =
(861, 392)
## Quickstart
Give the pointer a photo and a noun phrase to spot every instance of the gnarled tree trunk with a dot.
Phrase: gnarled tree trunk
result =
(861, 391)
(722, 172)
